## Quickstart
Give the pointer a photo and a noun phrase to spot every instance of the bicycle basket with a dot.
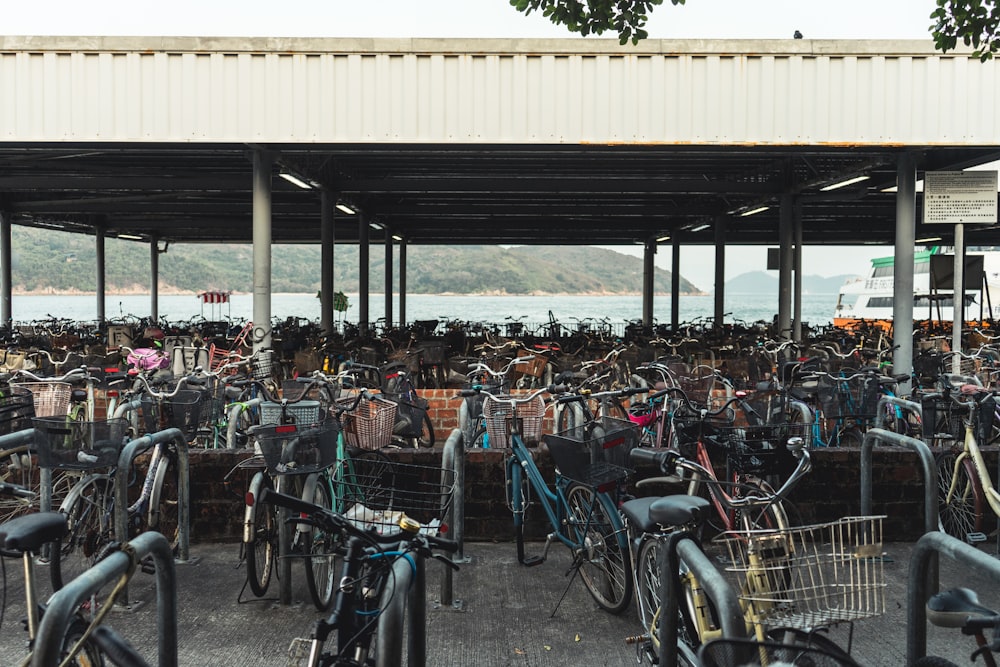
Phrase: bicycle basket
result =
(498, 413)
(181, 411)
(78, 445)
(264, 365)
(50, 399)
(17, 407)
(743, 652)
(381, 491)
(807, 576)
(759, 450)
(688, 429)
(410, 411)
(369, 425)
(296, 450)
(842, 398)
(594, 453)
(300, 412)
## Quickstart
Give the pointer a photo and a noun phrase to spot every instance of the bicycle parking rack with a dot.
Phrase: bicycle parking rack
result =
(27, 437)
(909, 406)
(63, 604)
(453, 458)
(122, 474)
(404, 598)
(923, 563)
(875, 435)
(682, 547)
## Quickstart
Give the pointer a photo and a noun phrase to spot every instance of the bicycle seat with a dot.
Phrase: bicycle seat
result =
(652, 512)
(29, 532)
(954, 607)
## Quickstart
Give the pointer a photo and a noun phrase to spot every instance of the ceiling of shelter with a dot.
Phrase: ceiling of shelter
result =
(462, 193)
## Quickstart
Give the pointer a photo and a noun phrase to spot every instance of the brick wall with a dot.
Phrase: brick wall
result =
(829, 492)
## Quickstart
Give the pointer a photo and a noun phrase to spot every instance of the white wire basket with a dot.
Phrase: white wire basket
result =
(809, 576)
(500, 415)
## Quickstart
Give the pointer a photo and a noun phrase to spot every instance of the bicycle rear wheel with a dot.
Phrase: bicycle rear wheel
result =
(961, 501)
(164, 501)
(262, 544)
(603, 549)
(321, 548)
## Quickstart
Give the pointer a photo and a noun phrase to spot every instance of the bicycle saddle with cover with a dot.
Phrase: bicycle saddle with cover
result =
(954, 607)
(652, 512)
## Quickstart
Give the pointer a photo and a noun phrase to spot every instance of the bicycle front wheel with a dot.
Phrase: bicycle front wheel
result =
(602, 550)
(961, 500)
(164, 501)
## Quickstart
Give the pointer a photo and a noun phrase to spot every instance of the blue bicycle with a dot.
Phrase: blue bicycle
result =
(580, 505)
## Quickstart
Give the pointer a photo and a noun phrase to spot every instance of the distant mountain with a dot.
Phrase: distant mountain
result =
(761, 282)
(48, 261)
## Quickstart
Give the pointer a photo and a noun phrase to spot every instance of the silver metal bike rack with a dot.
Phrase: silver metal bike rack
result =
(923, 563)
(875, 435)
(27, 437)
(122, 473)
(62, 606)
(404, 599)
(681, 547)
(453, 459)
(902, 403)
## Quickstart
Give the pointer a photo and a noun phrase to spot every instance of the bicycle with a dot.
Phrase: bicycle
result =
(960, 608)
(379, 572)
(651, 521)
(86, 642)
(582, 513)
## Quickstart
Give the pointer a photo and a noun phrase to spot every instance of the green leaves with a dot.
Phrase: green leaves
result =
(626, 18)
(975, 22)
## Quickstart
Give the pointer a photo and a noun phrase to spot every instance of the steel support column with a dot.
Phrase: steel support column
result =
(101, 269)
(720, 272)
(648, 282)
(675, 283)
(402, 282)
(327, 236)
(388, 279)
(786, 237)
(262, 249)
(154, 277)
(6, 274)
(902, 270)
(363, 260)
(958, 298)
(797, 276)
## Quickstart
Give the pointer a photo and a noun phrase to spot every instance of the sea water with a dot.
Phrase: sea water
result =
(817, 309)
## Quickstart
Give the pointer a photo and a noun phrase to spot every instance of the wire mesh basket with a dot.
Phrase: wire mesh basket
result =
(808, 576)
(533, 364)
(17, 407)
(499, 414)
(594, 453)
(264, 365)
(299, 412)
(840, 397)
(78, 445)
(181, 411)
(369, 425)
(378, 492)
(51, 399)
(291, 449)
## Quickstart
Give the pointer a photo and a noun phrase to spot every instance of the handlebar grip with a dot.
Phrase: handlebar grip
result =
(464, 393)
(661, 458)
(443, 543)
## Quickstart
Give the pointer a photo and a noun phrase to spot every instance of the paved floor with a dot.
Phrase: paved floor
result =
(510, 615)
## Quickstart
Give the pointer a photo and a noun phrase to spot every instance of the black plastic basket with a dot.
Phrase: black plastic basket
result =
(181, 411)
(78, 445)
(410, 413)
(298, 450)
(17, 408)
(594, 453)
(842, 398)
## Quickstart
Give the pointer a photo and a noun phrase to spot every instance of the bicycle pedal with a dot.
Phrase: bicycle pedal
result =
(147, 565)
(532, 561)
(298, 652)
(975, 538)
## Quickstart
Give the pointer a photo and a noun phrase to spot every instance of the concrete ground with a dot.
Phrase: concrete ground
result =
(510, 615)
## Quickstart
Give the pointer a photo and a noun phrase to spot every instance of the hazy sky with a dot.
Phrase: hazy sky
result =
(724, 19)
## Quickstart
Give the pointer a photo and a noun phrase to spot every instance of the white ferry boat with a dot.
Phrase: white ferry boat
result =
(870, 298)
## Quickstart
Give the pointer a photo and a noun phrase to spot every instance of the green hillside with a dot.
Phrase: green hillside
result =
(48, 261)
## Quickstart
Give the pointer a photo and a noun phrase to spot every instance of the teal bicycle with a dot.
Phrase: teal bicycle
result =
(580, 505)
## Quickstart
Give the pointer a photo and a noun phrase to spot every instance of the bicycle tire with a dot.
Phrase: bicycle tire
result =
(812, 640)
(262, 545)
(164, 500)
(647, 568)
(89, 511)
(480, 439)
(320, 548)
(605, 567)
(517, 501)
(963, 513)
(90, 654)
(426, 438)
